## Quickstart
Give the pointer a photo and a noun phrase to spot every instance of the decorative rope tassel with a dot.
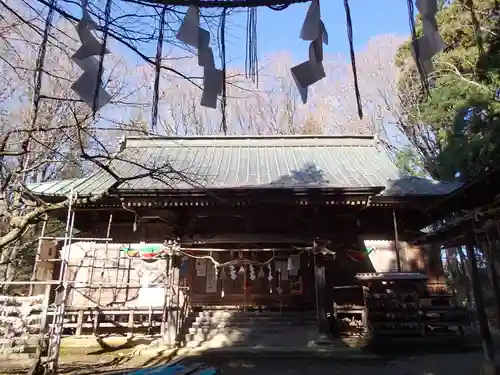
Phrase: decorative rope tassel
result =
(353, 57)
(224, 71)
(159, 57)
(251, 58)
(40, 61)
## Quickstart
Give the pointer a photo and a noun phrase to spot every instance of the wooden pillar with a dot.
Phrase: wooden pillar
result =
(130, 332)
(320, 285)
(478, 298)
(79, 323)
(396, 239)
(466, 274)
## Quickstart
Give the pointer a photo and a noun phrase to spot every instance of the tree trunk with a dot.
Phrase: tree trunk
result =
(466, 277)
(12, 267)
(8, 267)
(452, 268)
(494, 280)
(479, 300)
(4, 265)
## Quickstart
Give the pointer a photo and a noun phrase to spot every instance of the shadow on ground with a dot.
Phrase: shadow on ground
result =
(442, 364)
(408, 359)
(399, 358)
(131, 343)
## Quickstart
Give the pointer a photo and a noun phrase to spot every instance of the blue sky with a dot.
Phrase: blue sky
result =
(279, 31)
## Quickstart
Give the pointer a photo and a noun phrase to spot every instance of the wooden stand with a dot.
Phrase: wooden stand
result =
(395, 304)
(349, 310)
(393, 309)
(440, 315)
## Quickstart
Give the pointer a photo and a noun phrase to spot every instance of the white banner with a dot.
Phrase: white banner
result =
(211, 281)
(201, 267)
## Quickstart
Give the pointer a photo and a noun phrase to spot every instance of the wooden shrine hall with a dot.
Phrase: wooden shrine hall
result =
(249, 217)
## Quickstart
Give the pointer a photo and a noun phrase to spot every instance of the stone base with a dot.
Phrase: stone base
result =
(488, 368)
(323, 340)
(324, 352)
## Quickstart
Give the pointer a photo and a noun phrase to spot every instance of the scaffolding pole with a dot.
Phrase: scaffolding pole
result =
(86, 239)
(56, 329)
(103, 268)
(37, 256)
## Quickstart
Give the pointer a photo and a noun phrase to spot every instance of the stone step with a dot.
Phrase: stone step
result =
(215, 342)
(216, 336)
(208, 323)
(221, 328)
(255, 314)
(257, 320)
(249, 334)
(246, 330)
(234, 339)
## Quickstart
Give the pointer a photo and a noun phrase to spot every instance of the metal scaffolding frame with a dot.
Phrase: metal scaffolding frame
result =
(53, 336)
(55, 333)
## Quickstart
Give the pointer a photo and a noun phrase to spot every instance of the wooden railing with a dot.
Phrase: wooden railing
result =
(129, 320)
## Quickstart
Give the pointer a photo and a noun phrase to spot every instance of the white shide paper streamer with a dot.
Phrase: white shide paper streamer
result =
(431, 42)
(87, 84)
(311, 71)
(197, 37)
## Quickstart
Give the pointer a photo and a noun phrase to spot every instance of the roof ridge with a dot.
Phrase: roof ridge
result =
(242, 137)
(311, 162)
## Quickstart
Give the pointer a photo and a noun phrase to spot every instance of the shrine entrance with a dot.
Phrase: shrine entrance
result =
(252, 279)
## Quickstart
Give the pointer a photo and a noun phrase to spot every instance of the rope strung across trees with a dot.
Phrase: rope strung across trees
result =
(273, 4)
(214, 79)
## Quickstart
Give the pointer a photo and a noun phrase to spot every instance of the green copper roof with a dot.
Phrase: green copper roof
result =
(248, 162)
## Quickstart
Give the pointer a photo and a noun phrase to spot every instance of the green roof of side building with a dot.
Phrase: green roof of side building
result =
(294, 162)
